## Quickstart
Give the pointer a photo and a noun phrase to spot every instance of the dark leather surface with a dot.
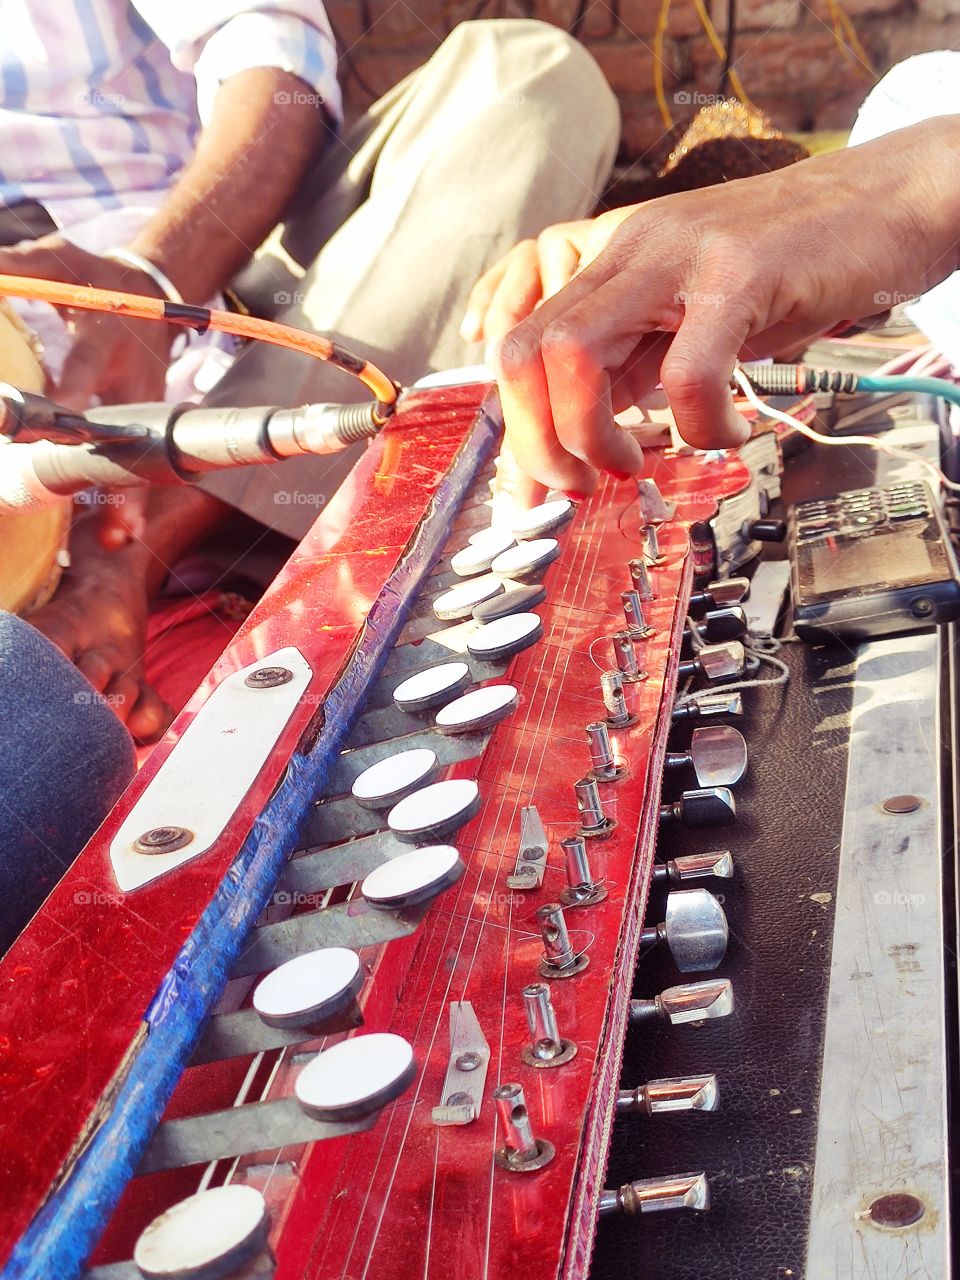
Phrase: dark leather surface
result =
(758, 1149)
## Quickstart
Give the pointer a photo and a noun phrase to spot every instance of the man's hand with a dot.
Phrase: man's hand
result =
(688, 284)
(533, 271)
(118, 361)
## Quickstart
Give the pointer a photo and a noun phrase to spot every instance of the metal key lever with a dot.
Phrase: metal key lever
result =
(717, 755)
(690, 1002)
(707, 706)
(695, 930)
(657, 1097)
(716, 662)
(652, 1195)
(716, 595)
(695, 866)
(705, 807)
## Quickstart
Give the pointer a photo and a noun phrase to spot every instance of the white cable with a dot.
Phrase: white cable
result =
(872, 442)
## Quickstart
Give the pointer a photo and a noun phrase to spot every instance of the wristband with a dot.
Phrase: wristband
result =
(127, 258)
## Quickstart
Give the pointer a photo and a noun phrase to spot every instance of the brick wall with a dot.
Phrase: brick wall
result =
(786, 53)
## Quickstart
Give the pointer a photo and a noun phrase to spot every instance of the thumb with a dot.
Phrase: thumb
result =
(49, 258)
(696, 372)
(82, 373)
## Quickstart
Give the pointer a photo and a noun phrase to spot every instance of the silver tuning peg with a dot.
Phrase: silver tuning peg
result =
(560, 958)
(705, 807)
(521, 1152)
(615, 701)
(547, 1048)
(720, 625)
(706, 706)
(690, 1002)
(686, 1093)
(625, 657)
(717, 755)
(640, 577)
(716, 662)
(695, 930)
(651, 551)
(695, 866)
(652, 1195)
(637, 624)
(582, 889)
(594, 823)
(717, 594)
(604, 765)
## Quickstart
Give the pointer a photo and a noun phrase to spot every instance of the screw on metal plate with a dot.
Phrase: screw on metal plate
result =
(901, 804)
(896, 1210)
(532, 856)
(163, 840)
(521, 1152)
(268, 677)
(463, 1085)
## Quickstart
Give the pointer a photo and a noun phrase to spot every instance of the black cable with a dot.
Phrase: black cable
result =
(723, 88)
(579, 18)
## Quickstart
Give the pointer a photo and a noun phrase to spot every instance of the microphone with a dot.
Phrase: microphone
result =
(155, 443)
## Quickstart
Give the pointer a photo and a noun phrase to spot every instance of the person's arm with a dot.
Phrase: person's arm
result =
(265, 130)
(690, 283)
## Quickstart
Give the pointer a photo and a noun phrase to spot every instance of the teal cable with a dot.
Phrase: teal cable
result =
(904, 382)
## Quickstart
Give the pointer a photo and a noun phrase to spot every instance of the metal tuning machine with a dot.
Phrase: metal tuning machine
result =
(619, 715)
(716, 662)
(705, 807)
(661, 1097)
(695, 929)
(653, 1195)
(582, 889)
(717, 595)
(690, 1002)
(717, 865)
(594, 823)
(625, 656)
(604, 765)
(709, 706)
(720, 625)
(560, 958)
(637, 624)
(717, 755)
(640, 577)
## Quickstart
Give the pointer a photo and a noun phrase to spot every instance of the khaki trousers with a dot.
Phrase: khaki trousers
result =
(509, 127)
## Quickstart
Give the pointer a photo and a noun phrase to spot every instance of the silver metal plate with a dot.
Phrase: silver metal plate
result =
(882, 1122)
(466, 1076)
(532, 857)
(203, 781)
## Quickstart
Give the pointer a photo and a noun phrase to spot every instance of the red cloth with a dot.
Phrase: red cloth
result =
(185, 637)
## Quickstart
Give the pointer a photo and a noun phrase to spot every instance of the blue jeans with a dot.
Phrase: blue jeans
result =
(64, 760)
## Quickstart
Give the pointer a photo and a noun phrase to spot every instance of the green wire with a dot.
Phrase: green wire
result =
(903, 382)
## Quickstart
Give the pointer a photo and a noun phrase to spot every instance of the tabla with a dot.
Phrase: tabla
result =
(31, 545)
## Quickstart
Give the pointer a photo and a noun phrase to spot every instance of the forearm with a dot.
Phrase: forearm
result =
(266, 129)
(175, 520)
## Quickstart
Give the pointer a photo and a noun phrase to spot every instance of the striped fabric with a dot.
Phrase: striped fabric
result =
(101, 100)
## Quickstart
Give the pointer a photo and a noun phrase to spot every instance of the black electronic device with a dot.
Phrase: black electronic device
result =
(871, 562)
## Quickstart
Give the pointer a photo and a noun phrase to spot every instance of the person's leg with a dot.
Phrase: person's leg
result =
(509, 127)
(64, 760)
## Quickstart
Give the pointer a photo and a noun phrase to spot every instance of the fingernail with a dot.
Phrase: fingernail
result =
(574, 496)
(619, 475)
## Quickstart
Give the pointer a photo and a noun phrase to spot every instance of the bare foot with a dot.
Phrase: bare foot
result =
(98, 618)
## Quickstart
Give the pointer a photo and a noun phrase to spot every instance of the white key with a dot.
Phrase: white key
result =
(225, 1225)
(479, 555)
(433, 687)
(505, 636)
(388, 781)
(356, 1077)
(526, 558)
(478, 710)
(309, 988)
(413, 877)
(459, 602)
(435, 811)
(545, 518)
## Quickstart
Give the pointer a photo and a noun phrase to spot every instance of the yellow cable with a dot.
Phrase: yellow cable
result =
(658, 35)
(736, 84)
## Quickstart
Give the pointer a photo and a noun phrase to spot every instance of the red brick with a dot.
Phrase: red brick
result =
(760, 15)
(643, 131)
(628, 64)
(599, 21)
(841, 111)
(395, 23)
(380, 71)
(795, 61)
(859, 8)
(903, 39)
(640, 17)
